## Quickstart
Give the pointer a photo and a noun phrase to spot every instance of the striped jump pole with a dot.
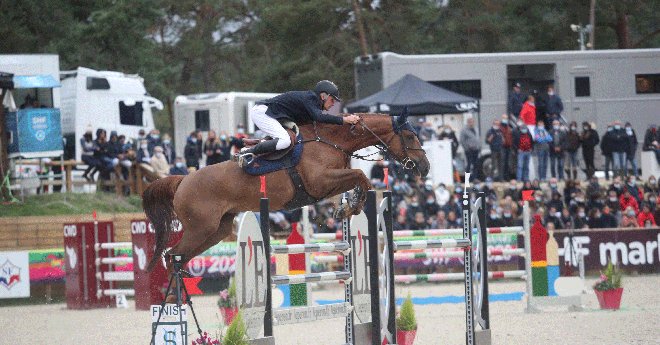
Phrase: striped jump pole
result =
(426, 233)
(431, 244)
(427, 255)
(438, 277)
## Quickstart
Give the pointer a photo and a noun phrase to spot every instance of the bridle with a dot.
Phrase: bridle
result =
(384, 147)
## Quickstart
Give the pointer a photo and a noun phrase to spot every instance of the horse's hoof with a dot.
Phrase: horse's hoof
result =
(356, 198)
(340, 213)
(171, 299)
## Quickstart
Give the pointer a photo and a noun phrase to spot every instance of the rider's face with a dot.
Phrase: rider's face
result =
(328, 102)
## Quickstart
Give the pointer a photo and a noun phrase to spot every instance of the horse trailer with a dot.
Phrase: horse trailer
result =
(110, 100)
(597, 86)
(221, 112)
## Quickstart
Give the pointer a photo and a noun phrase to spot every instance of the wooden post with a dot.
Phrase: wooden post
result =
(131, 179)
(138, 179)
(67, 177)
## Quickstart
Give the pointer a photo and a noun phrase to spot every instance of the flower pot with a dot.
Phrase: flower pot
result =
(405, 337)
(609, 299)
(228, 314)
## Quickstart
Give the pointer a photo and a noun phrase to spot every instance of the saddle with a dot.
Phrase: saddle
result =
(293, 131)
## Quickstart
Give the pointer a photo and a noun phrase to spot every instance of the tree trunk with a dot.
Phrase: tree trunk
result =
(621, 28)
(358, 20)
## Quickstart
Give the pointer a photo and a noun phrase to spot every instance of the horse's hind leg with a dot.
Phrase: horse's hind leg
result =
(196, 232)
(224, 230)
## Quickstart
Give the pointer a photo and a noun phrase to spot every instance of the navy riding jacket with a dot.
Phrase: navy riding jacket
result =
(300, 107)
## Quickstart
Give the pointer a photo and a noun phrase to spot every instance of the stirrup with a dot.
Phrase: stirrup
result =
(245, 159)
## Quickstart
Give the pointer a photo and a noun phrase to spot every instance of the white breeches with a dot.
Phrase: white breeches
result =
(270, 126)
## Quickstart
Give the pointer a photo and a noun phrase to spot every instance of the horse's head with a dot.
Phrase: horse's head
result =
(408, 150)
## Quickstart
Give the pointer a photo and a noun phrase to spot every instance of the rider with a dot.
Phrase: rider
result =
(298, 106)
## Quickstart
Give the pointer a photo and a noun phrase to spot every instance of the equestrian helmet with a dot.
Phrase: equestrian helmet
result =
(328, 87)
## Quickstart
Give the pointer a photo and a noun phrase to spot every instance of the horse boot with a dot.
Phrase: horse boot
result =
(246, 156)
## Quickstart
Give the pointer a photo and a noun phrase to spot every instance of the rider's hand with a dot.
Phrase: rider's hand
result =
(352, 119)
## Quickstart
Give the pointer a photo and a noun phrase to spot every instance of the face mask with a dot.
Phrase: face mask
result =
(166, 141)
(617, 127)
(652, 199)
(581, 214)
(631, 213)
(573, 128)
(579, 199)
(414, 204)
(493, 216)
(429, 187)
(504, 122)
(612, 199)
(632, 182)
(557, 214)
(194, 140)
(430, 201)
(458, 190)
(155, 136)
(553, 185)
(441, 188)
(496, 127)
(598, 215)
(223, 137)
(512, 187)
(524, 130)
(538, 198)
(531, 103)
(447, 131)
(556, 128)
(488, 184)
(178, 164)
(551, 93)
(520, 124)
(507, 215)
(609, 129)
(386, 163)
(159, 154)
(616, 185)
(143, 146)
(652, 182)
(240, 131)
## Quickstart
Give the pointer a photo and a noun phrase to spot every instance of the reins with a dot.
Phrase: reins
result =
(406, 161)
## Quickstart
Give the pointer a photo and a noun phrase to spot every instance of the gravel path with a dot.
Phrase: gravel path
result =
(638, 322)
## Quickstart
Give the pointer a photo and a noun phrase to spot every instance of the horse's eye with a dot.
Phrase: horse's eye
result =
(410, 137)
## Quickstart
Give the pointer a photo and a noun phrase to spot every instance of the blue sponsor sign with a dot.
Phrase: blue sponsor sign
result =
(35, 132)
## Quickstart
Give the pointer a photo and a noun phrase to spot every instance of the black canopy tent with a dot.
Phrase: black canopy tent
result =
(422, 97)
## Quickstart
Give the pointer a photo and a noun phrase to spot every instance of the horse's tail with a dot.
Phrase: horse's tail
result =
(157, 203)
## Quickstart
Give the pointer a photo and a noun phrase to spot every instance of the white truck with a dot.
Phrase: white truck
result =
(110, 100)
(221, 112)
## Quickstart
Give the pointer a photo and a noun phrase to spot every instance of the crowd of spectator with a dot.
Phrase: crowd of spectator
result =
(114, 154)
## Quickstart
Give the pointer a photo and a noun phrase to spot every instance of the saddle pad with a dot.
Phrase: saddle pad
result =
(260, 166)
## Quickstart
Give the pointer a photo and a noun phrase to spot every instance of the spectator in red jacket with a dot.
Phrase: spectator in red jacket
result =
(627, 200)
(645, 216)
(528, 113)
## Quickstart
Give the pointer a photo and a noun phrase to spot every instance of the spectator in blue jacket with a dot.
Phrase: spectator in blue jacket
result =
(178, 168)
(555, 106)
(619, 147)
(516, 101)
(494, 139)
(542, 141)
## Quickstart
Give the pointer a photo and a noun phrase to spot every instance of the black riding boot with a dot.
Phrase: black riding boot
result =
(245, 157)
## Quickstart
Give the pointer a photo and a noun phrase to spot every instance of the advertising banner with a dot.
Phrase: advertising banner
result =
(632, 250)
(14, 275)
(35, 133)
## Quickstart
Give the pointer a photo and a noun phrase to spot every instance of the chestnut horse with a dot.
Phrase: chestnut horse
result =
(206, 201)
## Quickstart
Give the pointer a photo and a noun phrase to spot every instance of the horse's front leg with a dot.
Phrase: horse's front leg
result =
(343, 180)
